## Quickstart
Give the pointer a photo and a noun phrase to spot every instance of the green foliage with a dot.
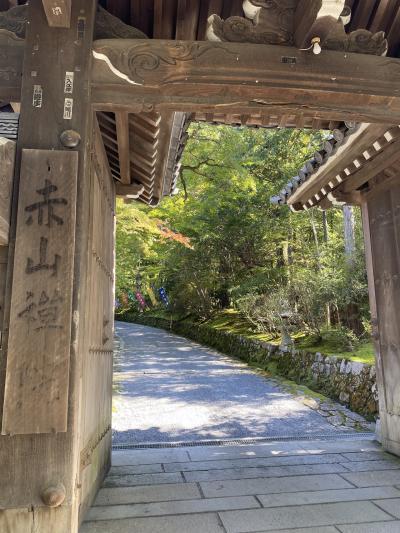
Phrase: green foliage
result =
(245, 253)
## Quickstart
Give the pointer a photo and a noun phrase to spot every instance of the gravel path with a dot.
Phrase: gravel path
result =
(167, 388)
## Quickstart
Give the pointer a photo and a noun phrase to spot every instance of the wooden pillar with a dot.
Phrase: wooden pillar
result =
(381, 221)
(49, 270)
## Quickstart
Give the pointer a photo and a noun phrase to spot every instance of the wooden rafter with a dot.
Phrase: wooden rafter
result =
(370, 151)
(122, 126)
(132, 191)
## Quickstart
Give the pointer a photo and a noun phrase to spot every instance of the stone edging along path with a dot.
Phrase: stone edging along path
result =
(351, 383)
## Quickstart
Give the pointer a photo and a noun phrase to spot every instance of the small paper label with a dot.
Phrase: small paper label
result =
(69, 83)
(37, 96)
(68, 105)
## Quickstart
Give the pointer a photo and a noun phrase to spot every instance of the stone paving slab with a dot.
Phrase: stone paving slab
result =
(328, 529)
(327, 496)
(243, 487)
(390, 506)
(375, 455)
(142, 479)
(245, 451)
(196, 523)
(281, 449)
(373, 479)
(364, 466)
(137, 469)
(258, 462)
(144, 494)
(264, 472)
(301, 516)
(148, 456)
(340, 446)
(345, 502)
(378, 527)
(114, 512)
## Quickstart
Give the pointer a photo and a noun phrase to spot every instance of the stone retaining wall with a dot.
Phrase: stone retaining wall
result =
(351, 383)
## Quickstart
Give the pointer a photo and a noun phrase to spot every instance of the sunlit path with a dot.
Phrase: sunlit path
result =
(168, 388)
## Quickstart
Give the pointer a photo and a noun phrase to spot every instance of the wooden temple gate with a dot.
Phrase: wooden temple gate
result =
(95, 110)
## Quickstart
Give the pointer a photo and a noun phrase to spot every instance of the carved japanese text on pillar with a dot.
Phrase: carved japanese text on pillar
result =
(36, 395)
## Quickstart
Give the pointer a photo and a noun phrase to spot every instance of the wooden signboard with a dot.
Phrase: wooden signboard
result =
(37, 375)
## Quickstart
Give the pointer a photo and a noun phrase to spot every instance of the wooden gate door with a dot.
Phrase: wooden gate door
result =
(98, 309)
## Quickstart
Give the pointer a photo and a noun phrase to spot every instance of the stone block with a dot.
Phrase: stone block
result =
(197, 523)
(258, 462)
(327, 496)
(243, 487)
(264, 472)
(152, 493)
(135, 469)
(118, 512)
(377, 527)
(302, 516)
(148, 456)
(141, 479)
(390, 506)
(374, 479)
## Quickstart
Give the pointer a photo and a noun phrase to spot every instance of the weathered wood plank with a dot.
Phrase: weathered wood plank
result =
(11, 60)
(36, 392)
(7, 158)
(58, 13)
(190, 75)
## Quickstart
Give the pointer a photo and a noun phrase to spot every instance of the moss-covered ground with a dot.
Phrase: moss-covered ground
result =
(231, 321)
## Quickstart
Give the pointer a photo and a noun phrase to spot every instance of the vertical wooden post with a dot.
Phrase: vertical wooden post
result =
(381, 223)
(42, 469)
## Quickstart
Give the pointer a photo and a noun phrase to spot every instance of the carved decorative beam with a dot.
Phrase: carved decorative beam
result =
(296, 22)
(190, 76)
(143, 75)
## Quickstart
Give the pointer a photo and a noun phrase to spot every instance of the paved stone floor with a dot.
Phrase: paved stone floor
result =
(168, 389)
(321, 486)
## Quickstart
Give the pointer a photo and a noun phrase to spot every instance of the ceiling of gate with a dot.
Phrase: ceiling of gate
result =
(144, 149)
(187, 19)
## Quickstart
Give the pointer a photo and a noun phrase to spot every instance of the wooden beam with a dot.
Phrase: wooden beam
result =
(235, 78)
(58, 13)
(122, 124)
(129, 191)
(188, 76)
